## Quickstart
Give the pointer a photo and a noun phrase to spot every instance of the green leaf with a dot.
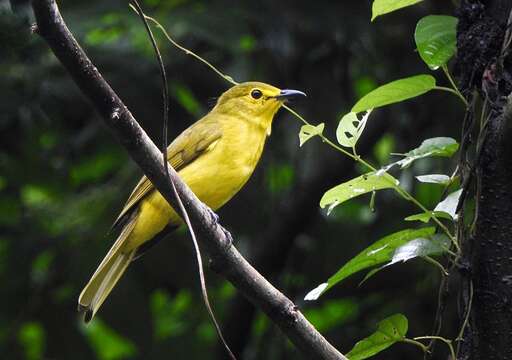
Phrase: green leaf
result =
(381, 7)
(420, 247)
(435, 38)
(32, 339)
(95, 167)
(356, 187)
(389, 331)
(107, 343)
(332, 313)
(168, 313)
(433, 245)
(41, 266)
(308, 131)
(279, 177)
(187, 99)
(383, 148)
(378, 253)
(396, 91)
(350, 129)
(440, 147)
(434, 179)
(449, 204)
(427, 216)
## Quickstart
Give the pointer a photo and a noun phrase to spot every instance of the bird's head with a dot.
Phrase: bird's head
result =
(254, 101)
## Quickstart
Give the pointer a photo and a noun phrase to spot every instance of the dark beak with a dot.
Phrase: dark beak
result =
(287, 94)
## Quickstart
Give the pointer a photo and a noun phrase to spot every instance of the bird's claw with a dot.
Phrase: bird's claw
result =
(213, 216)
(228, 237)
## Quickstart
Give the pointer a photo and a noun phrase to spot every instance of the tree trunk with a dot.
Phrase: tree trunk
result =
(484, 65)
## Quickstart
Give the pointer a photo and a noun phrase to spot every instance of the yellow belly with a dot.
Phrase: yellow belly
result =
(211, 177)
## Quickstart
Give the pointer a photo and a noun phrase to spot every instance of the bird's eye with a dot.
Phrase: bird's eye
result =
(256, 94)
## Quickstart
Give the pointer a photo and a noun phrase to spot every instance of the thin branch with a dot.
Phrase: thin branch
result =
(226, 259)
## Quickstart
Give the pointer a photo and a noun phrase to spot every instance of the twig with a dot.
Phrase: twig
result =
(227, 259)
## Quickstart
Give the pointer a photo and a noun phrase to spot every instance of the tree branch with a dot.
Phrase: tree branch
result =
(226, 259)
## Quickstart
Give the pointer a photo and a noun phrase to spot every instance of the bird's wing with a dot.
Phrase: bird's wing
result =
(198, 139)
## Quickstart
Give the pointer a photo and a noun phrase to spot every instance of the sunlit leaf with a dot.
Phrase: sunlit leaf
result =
(381, 7)
(449, 204)
(435, 38)
(396, 91)
(434, 147)
(420, 247)
(350, 128)
(389, 331)
(358, 186)
(433, 245)
(434, 179)
(439, 146)
(378, 253)
(308, 131)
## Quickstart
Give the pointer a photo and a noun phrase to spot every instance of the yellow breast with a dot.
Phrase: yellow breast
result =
(215, 177)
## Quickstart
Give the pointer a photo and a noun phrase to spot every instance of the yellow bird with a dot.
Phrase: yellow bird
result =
(215, 157)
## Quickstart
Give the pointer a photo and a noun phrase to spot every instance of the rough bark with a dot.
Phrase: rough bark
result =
(484, 66)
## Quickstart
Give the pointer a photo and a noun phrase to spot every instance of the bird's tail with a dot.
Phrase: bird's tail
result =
(106, 276)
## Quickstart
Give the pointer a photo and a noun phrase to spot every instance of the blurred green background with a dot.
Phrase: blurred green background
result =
(63, 178)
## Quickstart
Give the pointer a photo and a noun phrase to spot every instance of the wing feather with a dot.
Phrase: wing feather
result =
(198, 139)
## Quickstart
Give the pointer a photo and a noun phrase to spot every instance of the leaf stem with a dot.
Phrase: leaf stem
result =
(437, 264)
(454, 86)
(415, 343)
(466, 318)
(455, 92)
(446, 341)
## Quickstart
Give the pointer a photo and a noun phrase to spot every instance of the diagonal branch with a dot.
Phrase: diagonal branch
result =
(226, 259)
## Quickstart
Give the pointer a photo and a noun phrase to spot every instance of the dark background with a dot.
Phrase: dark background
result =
(63, 178)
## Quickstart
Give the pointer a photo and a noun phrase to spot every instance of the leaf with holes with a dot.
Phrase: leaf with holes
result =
(308, 131)
(350, 128)
(378, 253)
(358, 186)
(389, 331)
(396, 91)
(381, 7)
(436, 40)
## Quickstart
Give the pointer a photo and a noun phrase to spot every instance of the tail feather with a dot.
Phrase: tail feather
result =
(106, 275)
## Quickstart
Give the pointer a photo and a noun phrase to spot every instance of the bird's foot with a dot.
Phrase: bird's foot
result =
(213, 216)
(228, 237)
